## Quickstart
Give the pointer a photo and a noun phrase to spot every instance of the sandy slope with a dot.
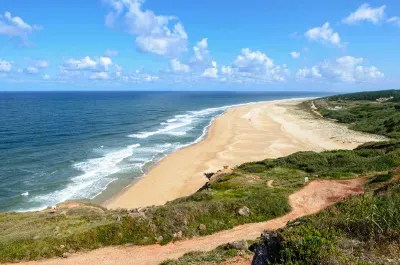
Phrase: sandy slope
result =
(311, 199)
(247, 133)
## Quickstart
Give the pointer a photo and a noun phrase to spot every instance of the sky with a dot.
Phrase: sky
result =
(263, 45)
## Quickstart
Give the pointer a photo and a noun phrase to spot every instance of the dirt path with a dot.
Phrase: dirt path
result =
(314, 197)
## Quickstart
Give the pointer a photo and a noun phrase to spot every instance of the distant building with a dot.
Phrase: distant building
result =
(383, 99)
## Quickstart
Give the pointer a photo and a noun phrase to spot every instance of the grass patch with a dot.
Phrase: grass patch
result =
(216, 256)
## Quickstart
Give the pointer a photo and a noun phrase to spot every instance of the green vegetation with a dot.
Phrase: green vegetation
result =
(364, 113)
(369, 95)
(216, 256)
(361, 230)
(29, 236)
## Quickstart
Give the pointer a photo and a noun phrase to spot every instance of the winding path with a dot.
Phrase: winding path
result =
(312, 198)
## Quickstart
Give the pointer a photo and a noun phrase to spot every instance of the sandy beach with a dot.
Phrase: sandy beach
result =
(242, 134)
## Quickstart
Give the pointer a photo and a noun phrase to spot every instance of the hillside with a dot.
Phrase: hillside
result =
(375, 112)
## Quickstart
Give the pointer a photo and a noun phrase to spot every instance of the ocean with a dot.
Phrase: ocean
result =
(59, 146)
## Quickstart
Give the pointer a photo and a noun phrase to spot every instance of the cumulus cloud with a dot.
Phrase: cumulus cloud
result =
(153, 32)
(16, 27)
(201, 49)
(306, 72)
(177, 66)
(46, 77)
(211, 72)
(252, 61)
(254, 66)
(5, 66)
(226, 70)
(345, 69)
(87, 64)
(295, 55)
(366, 13)
(324, 34)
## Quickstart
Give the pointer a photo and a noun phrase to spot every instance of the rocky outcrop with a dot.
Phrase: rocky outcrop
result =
(239, 245)
(267, 251)
(243, 211)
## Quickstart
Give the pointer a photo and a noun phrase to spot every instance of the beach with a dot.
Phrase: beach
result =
(242, 134)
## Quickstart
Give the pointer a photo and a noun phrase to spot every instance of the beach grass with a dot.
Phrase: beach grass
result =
(33, 236)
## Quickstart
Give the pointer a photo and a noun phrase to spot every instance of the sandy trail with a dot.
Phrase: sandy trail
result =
(311, 199)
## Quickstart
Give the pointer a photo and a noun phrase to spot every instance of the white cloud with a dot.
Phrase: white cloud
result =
(16, 27)
(366, 13)
(201, 49)
(46, 77)
(308, 73)
(253, 61)
(31, 70)
(394, 20)
(177, 66)
(227, 70)
(87, 64)
(5, 66)
(324, 34)
(105, 62)
(42, 64)
(250, 66)
(150, 78)
(295, 55)
(100, 76)
(345, 69)
(111, 53)
(210, 72)
(154, 34)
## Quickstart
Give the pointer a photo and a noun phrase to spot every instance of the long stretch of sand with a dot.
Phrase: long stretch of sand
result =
(242, 134)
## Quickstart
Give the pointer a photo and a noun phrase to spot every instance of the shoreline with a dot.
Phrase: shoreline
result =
(243, 133)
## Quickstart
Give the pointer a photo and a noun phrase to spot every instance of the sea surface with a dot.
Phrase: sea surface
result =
(58, 146)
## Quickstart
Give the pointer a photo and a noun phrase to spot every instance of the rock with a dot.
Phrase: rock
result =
(36, 237)
(62, 246)
(66, 255)
(118, 219)
(137, 215)
(159, 239)
(243, 211)
(202, 227)
(142, 210)
(178, 235)
(209, 175)
(239, 245)
(268, 250)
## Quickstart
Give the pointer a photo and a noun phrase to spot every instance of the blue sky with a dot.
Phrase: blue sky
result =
(199, 45)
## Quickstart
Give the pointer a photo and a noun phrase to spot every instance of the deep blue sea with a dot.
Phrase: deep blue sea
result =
(58, 146)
